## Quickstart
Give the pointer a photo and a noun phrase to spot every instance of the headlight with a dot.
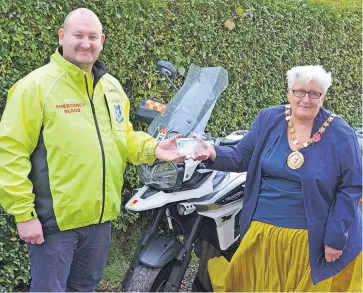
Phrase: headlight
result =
(162, 175)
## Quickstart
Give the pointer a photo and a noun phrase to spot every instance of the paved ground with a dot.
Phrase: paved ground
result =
(189, 276)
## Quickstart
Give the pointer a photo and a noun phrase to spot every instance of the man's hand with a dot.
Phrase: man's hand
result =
(168, 151)
(31, 231)
(332, 254)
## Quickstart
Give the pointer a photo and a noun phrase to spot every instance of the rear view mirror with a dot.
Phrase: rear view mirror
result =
(168, 71)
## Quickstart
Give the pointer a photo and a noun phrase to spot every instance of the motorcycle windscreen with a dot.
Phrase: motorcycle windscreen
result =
(189, 110)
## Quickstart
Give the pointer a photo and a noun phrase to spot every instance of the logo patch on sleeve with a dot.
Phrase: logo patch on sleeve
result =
(118, 114)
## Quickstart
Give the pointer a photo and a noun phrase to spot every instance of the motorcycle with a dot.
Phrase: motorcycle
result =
(193, 208)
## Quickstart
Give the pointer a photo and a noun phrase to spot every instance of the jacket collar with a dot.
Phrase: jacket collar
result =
(98, 69)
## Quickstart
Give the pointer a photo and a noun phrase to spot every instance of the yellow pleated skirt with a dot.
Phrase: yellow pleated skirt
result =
(275, 259)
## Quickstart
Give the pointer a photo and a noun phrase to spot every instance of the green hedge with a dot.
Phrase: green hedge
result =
(14, 264)
(255, 40)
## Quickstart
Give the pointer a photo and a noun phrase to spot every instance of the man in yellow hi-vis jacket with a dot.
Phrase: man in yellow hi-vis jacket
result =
(65, 138)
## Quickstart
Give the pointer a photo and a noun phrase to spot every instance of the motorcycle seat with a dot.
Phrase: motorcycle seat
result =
(225, 141)
(231, 139)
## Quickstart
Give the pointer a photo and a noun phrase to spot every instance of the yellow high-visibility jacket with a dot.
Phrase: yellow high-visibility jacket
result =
(65, 139)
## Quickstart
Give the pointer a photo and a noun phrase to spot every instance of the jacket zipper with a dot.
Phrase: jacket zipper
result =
(108, 109)
(102, 151)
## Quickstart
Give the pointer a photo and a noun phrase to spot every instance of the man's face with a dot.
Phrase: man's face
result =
(82, 40)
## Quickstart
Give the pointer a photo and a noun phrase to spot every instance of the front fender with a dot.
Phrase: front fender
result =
(159, 251)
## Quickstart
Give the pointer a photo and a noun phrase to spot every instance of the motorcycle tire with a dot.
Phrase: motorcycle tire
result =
(147, 279)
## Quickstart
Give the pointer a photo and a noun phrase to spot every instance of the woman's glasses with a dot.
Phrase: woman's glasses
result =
(301, 93)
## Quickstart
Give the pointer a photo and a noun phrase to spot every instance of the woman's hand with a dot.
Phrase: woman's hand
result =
(331, 254)
(203, 151)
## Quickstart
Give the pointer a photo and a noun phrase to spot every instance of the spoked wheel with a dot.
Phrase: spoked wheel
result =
(148, 279)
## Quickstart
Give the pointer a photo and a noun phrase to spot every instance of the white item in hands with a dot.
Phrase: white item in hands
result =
(186, 146)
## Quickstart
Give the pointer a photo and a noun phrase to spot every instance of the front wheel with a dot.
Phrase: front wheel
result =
(147, 279)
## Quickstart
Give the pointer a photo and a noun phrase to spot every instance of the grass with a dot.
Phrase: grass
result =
(122, 249)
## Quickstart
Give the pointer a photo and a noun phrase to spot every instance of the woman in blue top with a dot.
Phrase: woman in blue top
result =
(301, 225)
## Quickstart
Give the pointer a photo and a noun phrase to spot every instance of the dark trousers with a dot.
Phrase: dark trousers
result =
(71, 260)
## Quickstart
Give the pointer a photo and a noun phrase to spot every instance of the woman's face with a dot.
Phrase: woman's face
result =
(305, 100)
